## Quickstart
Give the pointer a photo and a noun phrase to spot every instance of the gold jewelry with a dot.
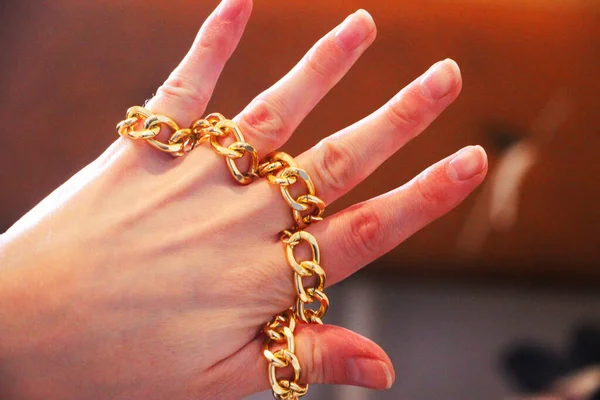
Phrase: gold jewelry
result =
(181, 141)
(279, 169)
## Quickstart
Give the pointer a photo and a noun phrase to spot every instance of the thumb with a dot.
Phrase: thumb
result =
(327, 354)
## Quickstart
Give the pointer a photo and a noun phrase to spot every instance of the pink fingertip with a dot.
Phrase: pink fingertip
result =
(230, 9)
(467, 163)
(440, 79)
(367, 372)
(354, 30)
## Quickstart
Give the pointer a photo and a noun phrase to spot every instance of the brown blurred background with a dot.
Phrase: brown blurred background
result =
(527, 242)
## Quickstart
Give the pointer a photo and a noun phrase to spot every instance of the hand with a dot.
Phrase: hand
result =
(145, 276)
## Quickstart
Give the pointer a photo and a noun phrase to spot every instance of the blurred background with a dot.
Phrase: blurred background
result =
(471, 307)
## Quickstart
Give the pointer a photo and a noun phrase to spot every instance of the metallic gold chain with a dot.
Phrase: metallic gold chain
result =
(181, 141)
(279, 169)
(140, 123)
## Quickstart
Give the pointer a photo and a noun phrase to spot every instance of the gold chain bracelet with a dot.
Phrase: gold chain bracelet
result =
(279, 169)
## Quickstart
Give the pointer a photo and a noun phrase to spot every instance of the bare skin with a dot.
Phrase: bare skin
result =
(147, 277)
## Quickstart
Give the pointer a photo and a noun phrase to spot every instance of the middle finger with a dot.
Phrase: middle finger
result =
(269, 120)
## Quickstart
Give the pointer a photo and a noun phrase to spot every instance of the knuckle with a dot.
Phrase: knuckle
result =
(364, 234)
(214, 44)
(319, 60)
(404, 114)
(264, 121)
(431, 195)
(335, 165)
(179, 89)
(316, 363)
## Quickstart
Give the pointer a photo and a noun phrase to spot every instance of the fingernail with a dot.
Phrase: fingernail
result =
(229, 9)
(467, 163)
(440, 79)
(354, 30)
(367, 372)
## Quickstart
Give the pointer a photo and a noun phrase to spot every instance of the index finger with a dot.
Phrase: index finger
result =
(184, 95)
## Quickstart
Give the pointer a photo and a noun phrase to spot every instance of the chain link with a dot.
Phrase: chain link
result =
(279, 169)
(141, 124)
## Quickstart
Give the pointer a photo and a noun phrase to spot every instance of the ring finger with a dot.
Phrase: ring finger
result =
(341, 161)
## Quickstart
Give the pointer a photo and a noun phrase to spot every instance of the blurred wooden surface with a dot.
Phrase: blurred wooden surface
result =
(70, 69)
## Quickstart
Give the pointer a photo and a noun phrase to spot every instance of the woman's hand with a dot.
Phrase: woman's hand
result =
(150, 277)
